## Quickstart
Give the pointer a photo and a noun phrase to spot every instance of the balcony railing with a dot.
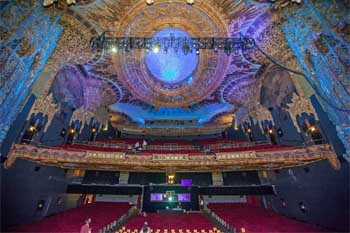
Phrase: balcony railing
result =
(273, 158)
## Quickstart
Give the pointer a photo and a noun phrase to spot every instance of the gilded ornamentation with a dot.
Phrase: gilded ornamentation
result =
(98, 160)
(298, 106)
(82, 115)
(145, 21)
(260, 114)
(45, 104)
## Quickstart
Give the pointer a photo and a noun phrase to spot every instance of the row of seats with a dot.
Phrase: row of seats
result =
(253, 218)
(214, 230)
(92, 148)
(167, 222)
(252, 148)
(100, 213)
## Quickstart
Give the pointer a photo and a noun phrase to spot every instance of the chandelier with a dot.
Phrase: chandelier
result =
(156, 44)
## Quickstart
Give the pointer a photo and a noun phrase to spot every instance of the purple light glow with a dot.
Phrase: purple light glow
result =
(184, 197)
(186, 182)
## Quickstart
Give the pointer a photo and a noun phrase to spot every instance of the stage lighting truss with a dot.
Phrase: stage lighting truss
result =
(186, 45)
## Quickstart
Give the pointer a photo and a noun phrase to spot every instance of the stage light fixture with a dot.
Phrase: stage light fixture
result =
(156, 48)
(249, 130)
(229, 45)
(270, 131)
(93, 130)
(190, 2)
(113, 49)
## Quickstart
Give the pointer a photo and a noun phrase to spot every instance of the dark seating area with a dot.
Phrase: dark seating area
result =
(100, 213)
(101, 177)
(144, 178)
(171, 223)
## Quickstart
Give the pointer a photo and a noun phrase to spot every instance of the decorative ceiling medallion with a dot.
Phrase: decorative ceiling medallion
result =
(135, 72)
(171, 65)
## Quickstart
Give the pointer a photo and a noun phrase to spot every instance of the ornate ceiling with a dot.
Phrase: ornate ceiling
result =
(143, 86)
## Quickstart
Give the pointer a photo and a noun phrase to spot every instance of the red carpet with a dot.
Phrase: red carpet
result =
(257, 219)
(101, 214)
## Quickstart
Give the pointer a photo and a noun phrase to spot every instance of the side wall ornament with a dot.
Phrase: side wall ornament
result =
(298, 106)
(45, 104)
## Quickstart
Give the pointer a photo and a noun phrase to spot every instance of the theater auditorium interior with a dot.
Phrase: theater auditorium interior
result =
(174, 116)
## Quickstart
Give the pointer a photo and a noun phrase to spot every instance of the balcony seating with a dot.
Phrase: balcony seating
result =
(252, 148)
(177, 142)
(174, 150)
(171, 223)
(148, 151)
(257, 219)
(92, 148)
(101, 214)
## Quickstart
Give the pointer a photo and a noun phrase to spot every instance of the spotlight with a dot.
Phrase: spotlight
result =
(113, 49)
(197, 51)
(93, 130)
(249, 130)
(270, 131)
(72, 131)
(149, 2)
(170, 198)
(156, 48)
(190, 2)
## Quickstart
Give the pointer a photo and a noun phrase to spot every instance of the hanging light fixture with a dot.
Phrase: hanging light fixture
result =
(149, 2)
(113, 44)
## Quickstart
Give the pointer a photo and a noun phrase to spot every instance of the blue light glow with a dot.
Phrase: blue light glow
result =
(170, 66)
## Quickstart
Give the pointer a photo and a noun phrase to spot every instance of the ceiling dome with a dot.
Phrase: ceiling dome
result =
(171, 79)
(170, 65)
